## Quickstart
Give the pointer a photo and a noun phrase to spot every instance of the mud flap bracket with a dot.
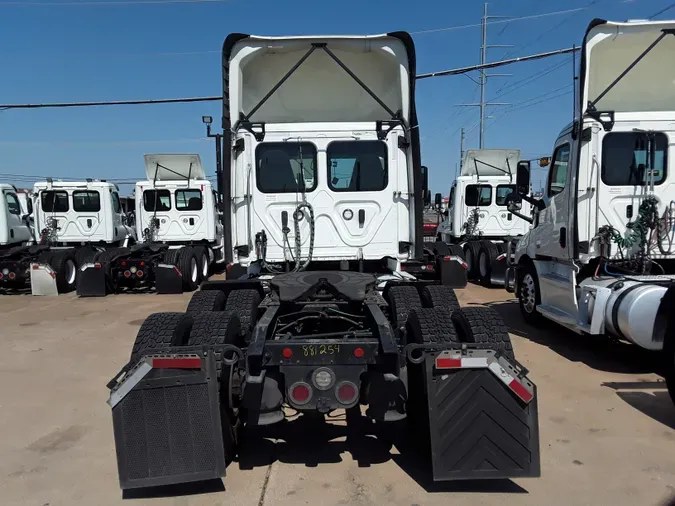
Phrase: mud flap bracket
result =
(168, 279)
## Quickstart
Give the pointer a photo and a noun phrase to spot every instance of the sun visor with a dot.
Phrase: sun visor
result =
(174, 167)
(611, 48)
(319, 90)
(490, 162)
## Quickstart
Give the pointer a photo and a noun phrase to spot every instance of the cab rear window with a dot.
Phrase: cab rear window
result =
(54, 201)
(86, 201)
(188, 200)
(157, 200)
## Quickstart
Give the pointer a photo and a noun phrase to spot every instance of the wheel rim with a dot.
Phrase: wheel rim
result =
(205, 265)
(71, 271)
(527, 293)
(193, 269)
(482, 263)
(469, 260)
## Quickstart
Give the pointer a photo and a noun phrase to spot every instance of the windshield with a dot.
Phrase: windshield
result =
(626, 159)
(282, 166)
(357, 166)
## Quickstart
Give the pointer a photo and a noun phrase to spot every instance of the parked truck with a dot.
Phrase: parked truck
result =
(600, 257)
(181, 236)
(71, 222)
(478, 224)
(321, 181)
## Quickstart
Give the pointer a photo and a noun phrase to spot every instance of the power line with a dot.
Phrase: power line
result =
(99, 3)
(509, 20)
(114, 102)
(662, 11)
(529, 79)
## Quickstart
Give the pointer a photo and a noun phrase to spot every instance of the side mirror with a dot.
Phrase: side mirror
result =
(523, 178)
(425, 178)
(438, 200)
(427, 197)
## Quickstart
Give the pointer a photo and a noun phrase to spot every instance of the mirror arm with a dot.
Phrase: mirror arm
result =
(522, 216)
(538, 203)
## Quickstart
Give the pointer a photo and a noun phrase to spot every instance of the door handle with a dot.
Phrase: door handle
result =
(563, 237)
(362, 218)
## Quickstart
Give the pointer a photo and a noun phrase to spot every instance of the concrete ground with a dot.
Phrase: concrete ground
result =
(606, 422)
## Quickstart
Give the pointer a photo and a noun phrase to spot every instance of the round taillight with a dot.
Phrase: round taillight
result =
(430, 267)
(301, 393)
(359, 353)
(346, 392)
(124, 264)
(139, 274)
(12, 275)
(142, 264)
(127, 274)
(1, 275)
(287, 353)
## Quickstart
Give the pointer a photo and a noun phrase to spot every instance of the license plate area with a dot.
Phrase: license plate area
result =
(322, 352)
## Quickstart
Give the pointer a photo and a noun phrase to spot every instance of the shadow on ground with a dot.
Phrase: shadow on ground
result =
(599, 353)
(312, 442)
(648, 397)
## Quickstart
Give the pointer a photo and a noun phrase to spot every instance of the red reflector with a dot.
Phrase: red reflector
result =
(36, 267)
(124, 264)
(142, 264)
(139, 274)
(287, 353)
(501, 257)
(447, 259)
(358, 352)
(448, 363)
(300, 393)
(402, 267)
(176, 363)
(1, 275)
(520, 390)
(127, 274)
(229, 267)
(177, 271)
(430, 267)
(346, 393)
(97, 266)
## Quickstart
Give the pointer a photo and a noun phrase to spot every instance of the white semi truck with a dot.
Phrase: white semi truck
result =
(181, 237)
(600, 257)
(321, 186)
(477, 223)
(71, 222)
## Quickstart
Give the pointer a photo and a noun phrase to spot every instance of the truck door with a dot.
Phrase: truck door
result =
(18, 230)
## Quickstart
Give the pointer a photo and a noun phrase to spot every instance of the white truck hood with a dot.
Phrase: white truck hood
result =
(610, 48)
(174, 167)
(490, 162)
(319, 90)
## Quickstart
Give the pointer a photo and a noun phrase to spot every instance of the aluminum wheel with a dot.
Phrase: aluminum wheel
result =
(528, 293)
(194, 270)
(205, 266)
(70, 272)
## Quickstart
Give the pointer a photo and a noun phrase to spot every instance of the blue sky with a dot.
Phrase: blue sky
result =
(60, 53)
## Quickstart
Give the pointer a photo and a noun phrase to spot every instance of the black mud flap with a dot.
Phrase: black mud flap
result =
(498, 272)
(452, 272)
(166, 420)
(168, 279)
(92, 281)
(479, 429)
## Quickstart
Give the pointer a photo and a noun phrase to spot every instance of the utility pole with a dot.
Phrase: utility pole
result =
(461, 150)
(484, 76)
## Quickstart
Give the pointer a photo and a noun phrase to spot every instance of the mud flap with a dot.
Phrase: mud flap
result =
(452, 271)
(168, 279)
(91, 281)
(42, 280)
(478, 427)
(498, 271)
(166, 421)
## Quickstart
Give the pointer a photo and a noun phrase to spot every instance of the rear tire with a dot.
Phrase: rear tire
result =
(206, 300)
(483, 325)
(189, 268)
(214, 329)
(402, 300)
(439, 296)
(203, 262)
(65, 267)
(471, 252)
(487, 255)
(245, 303)
(161, 330)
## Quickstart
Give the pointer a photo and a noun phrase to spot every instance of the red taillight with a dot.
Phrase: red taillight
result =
(1, 275)
(176, 363)
(358, 352)
(430, 267)
(142, 264)
(12, 275)
(127, 274)
(139, 274)
(287, 353)
(124, 263)
(301, 393)
(346, 392)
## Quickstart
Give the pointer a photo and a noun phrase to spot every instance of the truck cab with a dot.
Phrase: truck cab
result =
(76, 213)
(606, 216)
(14, 225)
